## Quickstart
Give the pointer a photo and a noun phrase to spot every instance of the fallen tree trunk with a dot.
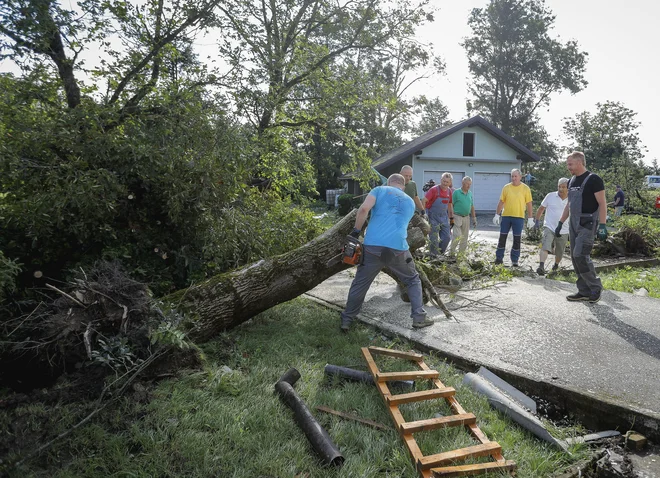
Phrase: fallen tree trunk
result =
(229, 299)
(104, 309)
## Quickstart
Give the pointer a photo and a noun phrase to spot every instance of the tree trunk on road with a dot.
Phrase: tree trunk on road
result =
(229, 299)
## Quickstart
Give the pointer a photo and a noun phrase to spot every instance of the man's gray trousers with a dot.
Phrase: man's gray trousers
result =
(376, 258)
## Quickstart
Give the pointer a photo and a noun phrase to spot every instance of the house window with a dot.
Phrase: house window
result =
(468, 144)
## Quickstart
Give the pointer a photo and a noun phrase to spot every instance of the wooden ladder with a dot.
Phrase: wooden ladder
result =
(434, 465)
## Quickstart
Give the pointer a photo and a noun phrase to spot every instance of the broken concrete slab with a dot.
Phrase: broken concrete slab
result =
(499, 401)
(508, 389)
(593, 437)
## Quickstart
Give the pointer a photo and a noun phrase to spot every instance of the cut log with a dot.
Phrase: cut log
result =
(227, 300)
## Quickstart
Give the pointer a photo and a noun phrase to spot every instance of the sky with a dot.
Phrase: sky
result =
(623, 42)
(622, 39)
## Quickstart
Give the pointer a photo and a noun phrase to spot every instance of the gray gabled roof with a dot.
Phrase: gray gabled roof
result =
(433, 136)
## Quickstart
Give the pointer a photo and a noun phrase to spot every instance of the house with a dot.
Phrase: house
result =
(472, 147)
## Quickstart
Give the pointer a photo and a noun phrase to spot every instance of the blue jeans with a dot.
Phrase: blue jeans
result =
(508, 223)
(440, 235)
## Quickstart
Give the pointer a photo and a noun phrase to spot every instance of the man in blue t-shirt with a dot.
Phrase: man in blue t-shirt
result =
(385, 245)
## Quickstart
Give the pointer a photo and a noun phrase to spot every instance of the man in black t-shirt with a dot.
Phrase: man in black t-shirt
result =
(588, 212)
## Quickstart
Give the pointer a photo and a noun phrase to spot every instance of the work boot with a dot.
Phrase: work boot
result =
(345, 324)
(422, 323)
(540, 271)
(555, 267)
(498, 262)
(577, 297)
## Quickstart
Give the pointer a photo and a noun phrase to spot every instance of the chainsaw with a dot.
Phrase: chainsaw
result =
(351, 252)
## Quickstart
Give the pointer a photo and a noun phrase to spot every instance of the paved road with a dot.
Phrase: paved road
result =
(600, 361)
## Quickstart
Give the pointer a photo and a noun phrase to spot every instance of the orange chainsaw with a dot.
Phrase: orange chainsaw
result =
(351, 252)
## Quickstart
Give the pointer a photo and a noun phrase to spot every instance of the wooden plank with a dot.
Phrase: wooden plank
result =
(395, 413)
(351, 416)
(467, 470)
(440, 422)
(419, 396)
(396, 353)
(458, 409)
(409, 375)
(439, 459)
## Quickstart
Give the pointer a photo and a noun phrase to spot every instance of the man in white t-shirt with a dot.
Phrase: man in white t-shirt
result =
(553, 205)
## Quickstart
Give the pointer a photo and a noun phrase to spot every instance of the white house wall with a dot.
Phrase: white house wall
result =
(491, 156)
(486, 146)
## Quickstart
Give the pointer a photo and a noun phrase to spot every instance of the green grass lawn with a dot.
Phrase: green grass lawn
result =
(222, 423)
(625, 279)
(629, 279)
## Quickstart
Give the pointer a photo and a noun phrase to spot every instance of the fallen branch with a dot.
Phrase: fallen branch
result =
(482, 301)
(71, 298)
(350, 416)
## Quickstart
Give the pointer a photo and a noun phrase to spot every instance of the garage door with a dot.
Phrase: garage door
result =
(436, 175)
(487, 188)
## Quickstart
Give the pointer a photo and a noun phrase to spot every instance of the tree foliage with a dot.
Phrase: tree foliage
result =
(146, 154)
(516, 65)
(605, 136)
(610, 141)
(330, 75)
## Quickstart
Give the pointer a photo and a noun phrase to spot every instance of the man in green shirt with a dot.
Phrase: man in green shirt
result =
(463, 209)
(411, 188)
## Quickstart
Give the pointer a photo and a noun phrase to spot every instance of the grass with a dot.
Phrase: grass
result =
(226, 421)
(629, 279)
(625, 279)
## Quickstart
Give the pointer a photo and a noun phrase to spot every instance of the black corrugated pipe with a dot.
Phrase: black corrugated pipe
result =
(365, 377)
(315, 433)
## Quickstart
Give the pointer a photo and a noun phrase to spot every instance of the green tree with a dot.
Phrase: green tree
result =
(134, 159)
(610, 141)
(516, 66)
(606, 136)
(655, 167)
(429, 113)
(276, 47)
(308, 66)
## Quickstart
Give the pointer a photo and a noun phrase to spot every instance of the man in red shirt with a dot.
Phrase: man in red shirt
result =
(439, 210)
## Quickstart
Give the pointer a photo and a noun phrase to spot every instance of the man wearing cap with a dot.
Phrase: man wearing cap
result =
(553, 206)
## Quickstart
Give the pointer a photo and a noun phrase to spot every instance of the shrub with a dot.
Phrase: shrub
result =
(533, 235)
(646, 227)
(259, 226)
(345, 204)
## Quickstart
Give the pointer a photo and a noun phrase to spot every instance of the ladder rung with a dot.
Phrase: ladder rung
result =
(466, 470)
(396, 353)
(419, 396)
(412, 375)
(439, 459)
(440, 422)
